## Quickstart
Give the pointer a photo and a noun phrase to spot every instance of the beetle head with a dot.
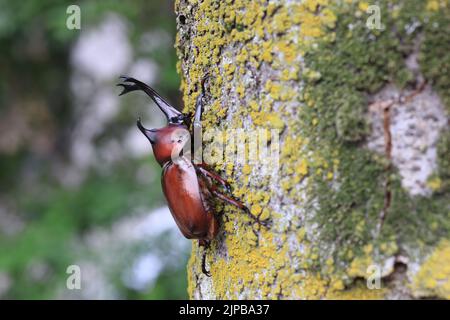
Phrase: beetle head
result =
(168, 142)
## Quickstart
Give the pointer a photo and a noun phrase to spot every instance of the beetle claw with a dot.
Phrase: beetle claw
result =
(205, 77)
(227, 187)
(206, 273)
(264, 223)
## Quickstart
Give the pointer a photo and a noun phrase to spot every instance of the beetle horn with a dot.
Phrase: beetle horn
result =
(150, 134)
(172, 114)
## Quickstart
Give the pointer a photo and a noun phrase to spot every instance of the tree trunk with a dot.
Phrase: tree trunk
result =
(355, 95)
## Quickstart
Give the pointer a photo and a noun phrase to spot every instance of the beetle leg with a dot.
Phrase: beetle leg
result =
(237, 204)
(198, 111)
(197, 124)
(201, 168)
(241, 206)
(199, 104)
(209, 189)
(205, 244)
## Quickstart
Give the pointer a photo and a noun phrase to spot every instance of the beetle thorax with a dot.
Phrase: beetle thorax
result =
(168, 142)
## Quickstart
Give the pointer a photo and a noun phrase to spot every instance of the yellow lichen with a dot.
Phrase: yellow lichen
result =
(256, 209)
(358, 267)
(433, 5)
(270, 120)
(302, 168)
(363, 6)
(356, 292)
(434, 183)
(433, 278)
(246, 169)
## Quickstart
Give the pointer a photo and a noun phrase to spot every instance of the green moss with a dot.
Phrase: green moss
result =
(435, 52)
(351, 124)
(443, 153)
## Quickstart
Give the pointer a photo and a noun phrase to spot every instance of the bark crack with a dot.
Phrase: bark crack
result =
(385, 107)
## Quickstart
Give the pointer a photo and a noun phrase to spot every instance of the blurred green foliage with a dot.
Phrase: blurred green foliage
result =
(34, 88)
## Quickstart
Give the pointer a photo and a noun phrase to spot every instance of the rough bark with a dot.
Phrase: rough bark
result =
(363, 181)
